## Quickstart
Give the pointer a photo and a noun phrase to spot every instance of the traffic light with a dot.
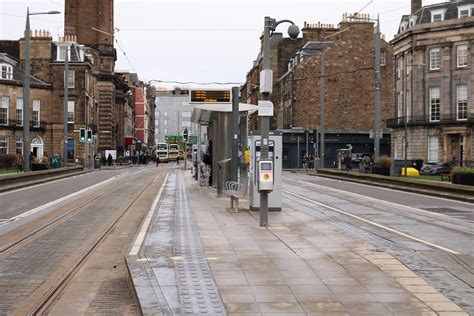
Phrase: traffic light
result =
(89, 136)
(82, 135)
(185, 134)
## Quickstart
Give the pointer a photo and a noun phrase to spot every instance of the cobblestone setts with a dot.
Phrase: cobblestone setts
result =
(174, 262)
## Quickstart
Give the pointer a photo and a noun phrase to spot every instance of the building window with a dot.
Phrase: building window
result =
(433, 144)
(19, 112)
(36, 113)
(399, 105)
(382, 58)
(464, 11)
(461, 101)
(71, 79)
(3, 145)
(165, 131)
(403, 26)
(70, 111)
(408, 64)
(19, 145)
(62, 49)
(7, 72)
(399, 67)
(186, 114)
(186, 124)
(413, 20)
(437, 15)
(462, 55)
(435, 58)
(434, 104)
(4, 110)
(165, 122)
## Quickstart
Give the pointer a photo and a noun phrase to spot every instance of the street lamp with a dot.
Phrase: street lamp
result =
(26, 90)
(266, 85)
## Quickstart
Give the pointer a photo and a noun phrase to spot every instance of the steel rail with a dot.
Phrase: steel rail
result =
(48, 299)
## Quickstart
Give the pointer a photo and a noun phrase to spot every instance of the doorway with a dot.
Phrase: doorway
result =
(37, 147)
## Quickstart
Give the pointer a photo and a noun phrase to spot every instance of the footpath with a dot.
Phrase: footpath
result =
(197, 256)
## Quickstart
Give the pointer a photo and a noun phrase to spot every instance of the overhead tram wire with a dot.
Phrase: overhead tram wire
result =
(117, 30)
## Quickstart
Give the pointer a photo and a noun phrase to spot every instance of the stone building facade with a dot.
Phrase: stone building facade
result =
(47, 97)
(349, 57)
(349, 97)
(11, 110)
(92, 23)
(434, 84)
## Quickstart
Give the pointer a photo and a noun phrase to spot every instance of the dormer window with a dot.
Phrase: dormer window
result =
(61, 52)
(464, 11)
(7, 72)
(412, 21)
(403, 26)
(437, 15)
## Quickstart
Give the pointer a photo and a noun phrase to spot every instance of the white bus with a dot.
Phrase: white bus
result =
(162, 152)
(173, 152)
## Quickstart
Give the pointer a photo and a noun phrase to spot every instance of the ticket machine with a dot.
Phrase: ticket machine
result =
(265, 175)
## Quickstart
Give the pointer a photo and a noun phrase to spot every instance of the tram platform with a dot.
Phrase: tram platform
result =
(197, 256)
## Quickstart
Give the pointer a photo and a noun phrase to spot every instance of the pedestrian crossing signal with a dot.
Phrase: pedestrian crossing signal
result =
(89, 136)
(82, 135)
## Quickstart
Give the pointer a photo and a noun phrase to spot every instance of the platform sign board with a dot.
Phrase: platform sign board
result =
(210, 96)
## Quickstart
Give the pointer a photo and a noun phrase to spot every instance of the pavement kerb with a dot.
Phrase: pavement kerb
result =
(432, 188)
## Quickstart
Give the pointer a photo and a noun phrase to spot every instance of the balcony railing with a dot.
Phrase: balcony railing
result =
(425, 120)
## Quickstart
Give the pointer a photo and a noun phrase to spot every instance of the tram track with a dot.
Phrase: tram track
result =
(47, 300)
(43, 297)
(416, 214)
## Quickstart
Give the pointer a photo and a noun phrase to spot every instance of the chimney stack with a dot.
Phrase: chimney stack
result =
(415, 5)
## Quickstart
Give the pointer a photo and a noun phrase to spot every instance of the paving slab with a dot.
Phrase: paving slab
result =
(299, 265)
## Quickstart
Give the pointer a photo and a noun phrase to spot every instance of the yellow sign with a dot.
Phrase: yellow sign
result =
(266, 177)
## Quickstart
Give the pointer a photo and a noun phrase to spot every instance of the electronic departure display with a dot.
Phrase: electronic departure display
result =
(210, 96)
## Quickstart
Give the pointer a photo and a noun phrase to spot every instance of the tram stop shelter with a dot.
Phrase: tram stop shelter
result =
(218, 120)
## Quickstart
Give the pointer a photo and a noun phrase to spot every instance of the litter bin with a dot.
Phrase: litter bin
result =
(223, 175)
(97, 163)
(56, 162)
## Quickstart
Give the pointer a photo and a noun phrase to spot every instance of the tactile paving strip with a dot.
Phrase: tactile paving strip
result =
(198, 291)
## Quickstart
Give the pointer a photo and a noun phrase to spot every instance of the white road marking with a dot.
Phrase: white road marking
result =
(146, 223)
(373, 223)
(44, 206)
(377, 200)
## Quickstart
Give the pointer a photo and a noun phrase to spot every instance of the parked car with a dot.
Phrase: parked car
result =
(435, 168)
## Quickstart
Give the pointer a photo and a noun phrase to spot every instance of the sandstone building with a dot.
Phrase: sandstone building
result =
(434, 84)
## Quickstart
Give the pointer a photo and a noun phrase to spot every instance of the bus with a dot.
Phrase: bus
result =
(162, 152)
(173, 152)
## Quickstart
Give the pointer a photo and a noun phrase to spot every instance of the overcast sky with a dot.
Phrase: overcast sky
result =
(199, 41)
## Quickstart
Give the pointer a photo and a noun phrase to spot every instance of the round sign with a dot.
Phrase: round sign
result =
(266, 176)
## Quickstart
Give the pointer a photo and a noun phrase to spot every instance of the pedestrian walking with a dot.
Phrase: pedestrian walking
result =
(305, 161)
(157, 161)
(365, 164)
(348, 162)
(19, 162)
(109, 159)
(311, 162)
